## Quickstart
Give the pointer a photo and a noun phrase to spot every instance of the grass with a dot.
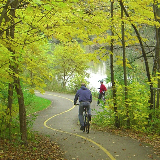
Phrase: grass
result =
(38, 104)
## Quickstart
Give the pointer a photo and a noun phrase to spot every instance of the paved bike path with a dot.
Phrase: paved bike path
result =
(60, 122)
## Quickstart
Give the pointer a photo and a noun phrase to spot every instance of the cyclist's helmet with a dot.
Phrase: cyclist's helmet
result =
(101, 81)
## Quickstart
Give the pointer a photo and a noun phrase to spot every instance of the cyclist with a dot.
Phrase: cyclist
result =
(85, 98)
(101, 91)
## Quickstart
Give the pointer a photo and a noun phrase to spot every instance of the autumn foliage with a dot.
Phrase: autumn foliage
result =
(41, 40)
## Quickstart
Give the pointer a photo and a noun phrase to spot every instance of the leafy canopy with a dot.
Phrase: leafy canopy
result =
(69, 58)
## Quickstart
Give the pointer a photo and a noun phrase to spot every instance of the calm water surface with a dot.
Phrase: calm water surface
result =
(97, 72)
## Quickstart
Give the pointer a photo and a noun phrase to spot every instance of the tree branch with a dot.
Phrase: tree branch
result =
(2, 31)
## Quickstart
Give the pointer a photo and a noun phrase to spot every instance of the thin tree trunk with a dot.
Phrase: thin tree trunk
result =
(10, 101)
(22, 112)
(157, 54)
(117, 123)
(157, 51)
(124, 70)
(4, 12)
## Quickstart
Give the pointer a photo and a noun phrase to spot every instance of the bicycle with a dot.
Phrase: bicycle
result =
(86, 118)
(103, 97)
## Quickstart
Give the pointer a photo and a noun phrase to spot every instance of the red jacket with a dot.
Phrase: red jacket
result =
(102, 88)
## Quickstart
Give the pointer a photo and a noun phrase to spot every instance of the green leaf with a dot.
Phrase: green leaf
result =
(47, 7)
(37, 1)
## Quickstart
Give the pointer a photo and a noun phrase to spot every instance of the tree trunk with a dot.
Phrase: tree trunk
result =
(124, 70)
(4, 12)
(22, 112)
(156, 67)
(10, 101)
(117, 123)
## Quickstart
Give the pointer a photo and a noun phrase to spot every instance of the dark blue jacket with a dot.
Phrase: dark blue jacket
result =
(84, 94)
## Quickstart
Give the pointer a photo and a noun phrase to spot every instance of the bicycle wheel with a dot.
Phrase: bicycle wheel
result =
(87, 124)
(103, 99)
(84, 116)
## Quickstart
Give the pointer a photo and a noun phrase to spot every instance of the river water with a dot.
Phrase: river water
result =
(97, 72)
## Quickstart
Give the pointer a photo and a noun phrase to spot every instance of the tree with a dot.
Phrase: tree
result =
(69, 59)
(14, 68)
(15, 40)
(156, 66)
(117, 124)
(124, 70)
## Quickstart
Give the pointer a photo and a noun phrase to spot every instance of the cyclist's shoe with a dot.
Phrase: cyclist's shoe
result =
(82, 128)
(89, 117)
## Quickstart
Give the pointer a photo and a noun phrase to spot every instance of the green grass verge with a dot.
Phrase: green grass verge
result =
(37, 104)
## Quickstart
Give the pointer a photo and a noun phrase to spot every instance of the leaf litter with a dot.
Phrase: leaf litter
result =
(43, 148)
(152, 140)
(39, 148)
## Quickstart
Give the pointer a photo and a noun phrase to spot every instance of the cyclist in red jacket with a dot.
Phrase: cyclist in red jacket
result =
(101, 91)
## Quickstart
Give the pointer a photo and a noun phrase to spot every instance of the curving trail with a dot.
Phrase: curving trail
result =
(60, 122)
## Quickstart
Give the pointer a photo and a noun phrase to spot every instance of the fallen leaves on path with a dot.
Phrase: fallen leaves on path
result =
(153, 140)
(39, 148)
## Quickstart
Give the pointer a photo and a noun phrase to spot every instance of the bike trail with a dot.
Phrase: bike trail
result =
(60, 122)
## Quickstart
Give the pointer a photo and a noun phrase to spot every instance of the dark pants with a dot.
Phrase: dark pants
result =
(100, 96)
(81, 109)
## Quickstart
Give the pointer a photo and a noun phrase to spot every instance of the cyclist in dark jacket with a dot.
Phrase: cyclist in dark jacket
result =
(85, 98)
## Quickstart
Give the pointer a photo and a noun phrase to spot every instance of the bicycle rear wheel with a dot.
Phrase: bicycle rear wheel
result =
(87, 128)
(84, 116)
(86, 122)
(87, 125)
